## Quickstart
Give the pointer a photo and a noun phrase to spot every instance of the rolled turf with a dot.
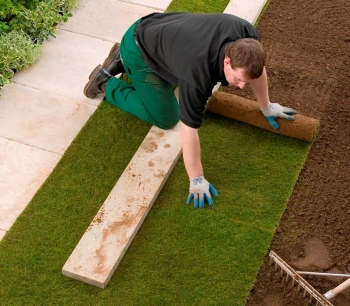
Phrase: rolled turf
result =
(247, 111)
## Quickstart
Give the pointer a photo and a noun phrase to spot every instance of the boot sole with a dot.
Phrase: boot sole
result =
(92, 78)
(111, 56)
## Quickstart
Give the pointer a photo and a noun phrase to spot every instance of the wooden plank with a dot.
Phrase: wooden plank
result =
(110, 233)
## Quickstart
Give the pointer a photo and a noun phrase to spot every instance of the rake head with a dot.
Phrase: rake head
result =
(291, 274)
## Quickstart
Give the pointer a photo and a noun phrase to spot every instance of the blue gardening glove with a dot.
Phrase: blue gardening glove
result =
(275, 110)
(201, 190)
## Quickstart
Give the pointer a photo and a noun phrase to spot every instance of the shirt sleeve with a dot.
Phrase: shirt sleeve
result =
(192, 103)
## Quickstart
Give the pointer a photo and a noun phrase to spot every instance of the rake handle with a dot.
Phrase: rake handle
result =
(332, 293)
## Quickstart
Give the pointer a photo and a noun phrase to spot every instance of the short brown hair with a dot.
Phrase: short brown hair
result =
(247, 53)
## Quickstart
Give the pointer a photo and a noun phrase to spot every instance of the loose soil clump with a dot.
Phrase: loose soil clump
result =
(308, 66)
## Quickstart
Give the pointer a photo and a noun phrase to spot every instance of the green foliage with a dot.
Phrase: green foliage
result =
(4, 27)
(40, 23)
(17, 52)
(5, 75)
(24, 25)
(11, 8)
(13, 12)
(67, 5)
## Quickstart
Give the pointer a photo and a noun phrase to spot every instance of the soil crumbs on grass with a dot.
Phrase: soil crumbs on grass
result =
(308, 66)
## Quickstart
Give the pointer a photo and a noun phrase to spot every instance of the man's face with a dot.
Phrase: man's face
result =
(235, 77)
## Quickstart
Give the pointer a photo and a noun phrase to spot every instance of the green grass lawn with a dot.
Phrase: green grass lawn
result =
(181, 255)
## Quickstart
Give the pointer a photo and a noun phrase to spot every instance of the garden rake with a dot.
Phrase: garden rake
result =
(295, 276)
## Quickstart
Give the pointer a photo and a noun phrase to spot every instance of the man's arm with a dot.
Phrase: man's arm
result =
(200, 188)
(270, 110)
(260, 89)
(191, 151)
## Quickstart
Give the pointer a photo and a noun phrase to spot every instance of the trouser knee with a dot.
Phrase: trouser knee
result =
(167, 125)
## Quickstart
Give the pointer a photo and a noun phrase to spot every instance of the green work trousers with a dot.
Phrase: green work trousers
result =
(149, 97)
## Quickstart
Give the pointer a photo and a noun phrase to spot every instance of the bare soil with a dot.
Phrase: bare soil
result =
(308, 65)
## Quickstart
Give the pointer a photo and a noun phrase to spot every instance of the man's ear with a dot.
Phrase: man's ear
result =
(227, 60)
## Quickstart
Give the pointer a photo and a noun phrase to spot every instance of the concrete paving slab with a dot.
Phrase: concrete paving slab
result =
(156, 4)
(23, 169)
(2, 234)
(65, 66)
(40, 119)
(105, 19)
(248, 10)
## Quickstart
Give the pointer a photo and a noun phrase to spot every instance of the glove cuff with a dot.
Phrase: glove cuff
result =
(197, 178)
(266, 110)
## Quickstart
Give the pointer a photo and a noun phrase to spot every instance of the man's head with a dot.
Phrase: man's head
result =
(244, 61)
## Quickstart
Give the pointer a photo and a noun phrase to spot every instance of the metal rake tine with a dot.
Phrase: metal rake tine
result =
(286, 278)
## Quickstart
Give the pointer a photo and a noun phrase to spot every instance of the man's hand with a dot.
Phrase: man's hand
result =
(200, 190)
(275, 110)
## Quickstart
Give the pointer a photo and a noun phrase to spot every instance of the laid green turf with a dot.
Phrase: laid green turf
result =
(181, 255)
(198, 6)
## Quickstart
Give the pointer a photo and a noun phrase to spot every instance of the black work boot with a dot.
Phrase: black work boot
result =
(113, 63)
(97, 82)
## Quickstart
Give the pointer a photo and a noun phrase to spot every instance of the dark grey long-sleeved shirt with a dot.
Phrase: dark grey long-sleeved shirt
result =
(187, 50)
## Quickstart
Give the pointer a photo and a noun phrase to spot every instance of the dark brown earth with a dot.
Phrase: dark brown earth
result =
(308, 65)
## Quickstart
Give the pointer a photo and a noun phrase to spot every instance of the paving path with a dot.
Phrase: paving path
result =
(44, 109)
